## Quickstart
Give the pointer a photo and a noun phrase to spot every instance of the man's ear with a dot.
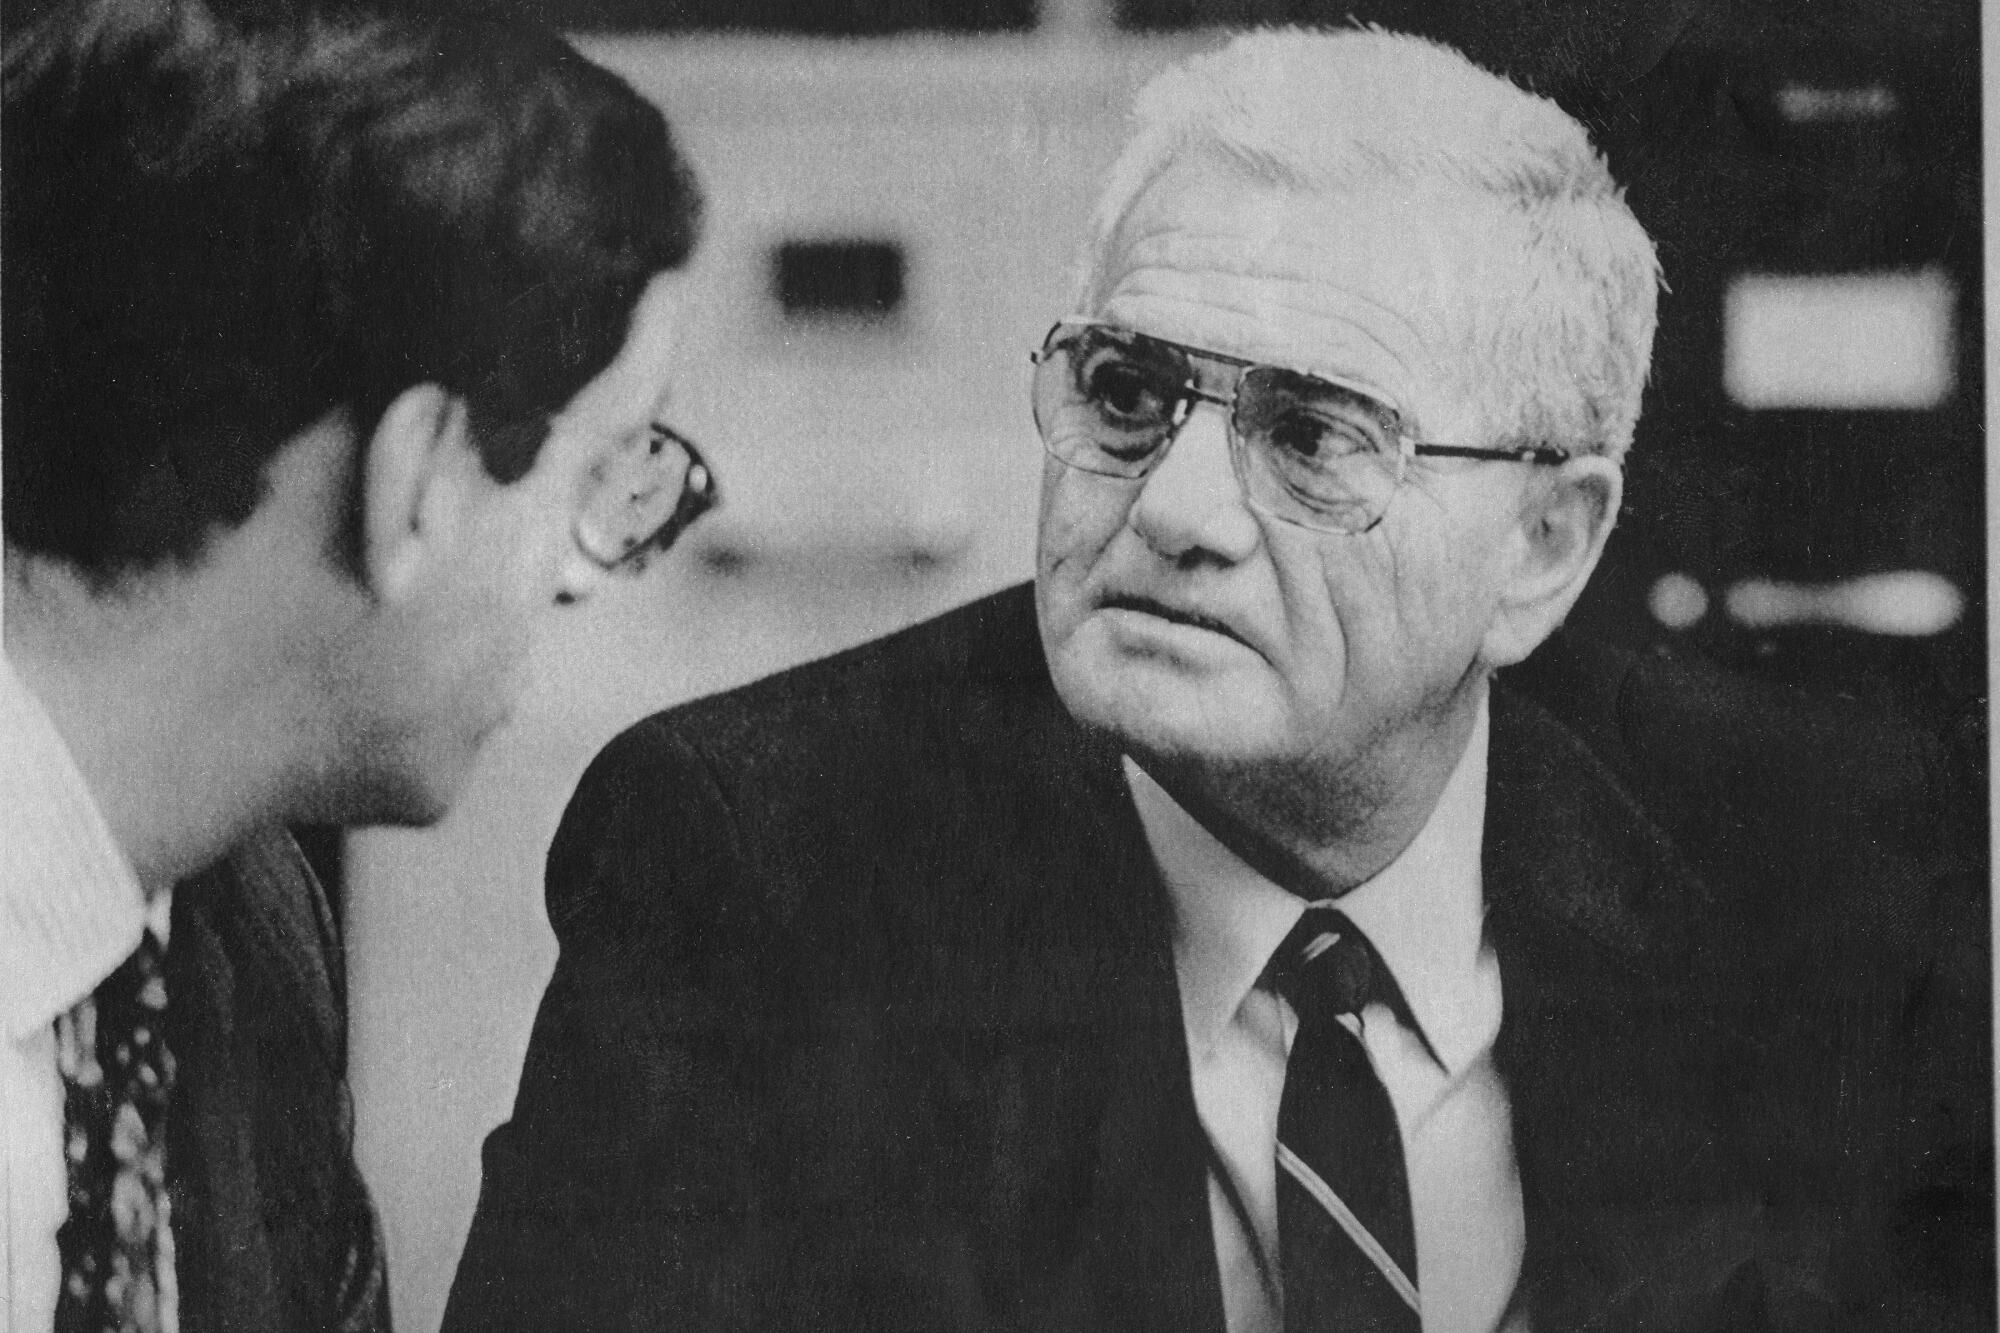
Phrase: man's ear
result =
(412, 488)
(1566, 514)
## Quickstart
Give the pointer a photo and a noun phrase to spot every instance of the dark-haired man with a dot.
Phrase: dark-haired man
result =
(336, 340)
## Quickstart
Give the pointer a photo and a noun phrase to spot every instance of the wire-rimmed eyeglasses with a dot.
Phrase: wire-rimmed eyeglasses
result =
(1306, 450)
(643, 498)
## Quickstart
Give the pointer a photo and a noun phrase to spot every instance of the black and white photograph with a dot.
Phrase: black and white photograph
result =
(1019, 666)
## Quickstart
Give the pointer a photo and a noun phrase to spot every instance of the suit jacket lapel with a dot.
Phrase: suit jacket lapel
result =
(278, 1233)
(1150, 1235)
(1144, 1257)
(1613, 1057)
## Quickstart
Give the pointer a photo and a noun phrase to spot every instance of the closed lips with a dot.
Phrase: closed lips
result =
(1147, 606)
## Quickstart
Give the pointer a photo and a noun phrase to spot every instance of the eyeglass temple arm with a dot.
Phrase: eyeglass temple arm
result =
(1532, 453)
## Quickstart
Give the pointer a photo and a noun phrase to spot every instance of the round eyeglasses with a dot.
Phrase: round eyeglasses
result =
(1313, 453)
(643, 497)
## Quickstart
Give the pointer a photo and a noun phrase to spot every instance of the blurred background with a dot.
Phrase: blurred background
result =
(896, 191)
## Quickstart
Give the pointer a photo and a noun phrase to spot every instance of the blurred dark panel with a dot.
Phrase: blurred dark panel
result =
(838, 279)
(826, 18)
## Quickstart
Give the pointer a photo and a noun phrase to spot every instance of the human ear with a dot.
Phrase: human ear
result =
(414, 490)
(1566, 516)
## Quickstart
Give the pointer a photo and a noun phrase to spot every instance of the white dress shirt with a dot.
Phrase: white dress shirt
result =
(1424, 914)
(71, 909)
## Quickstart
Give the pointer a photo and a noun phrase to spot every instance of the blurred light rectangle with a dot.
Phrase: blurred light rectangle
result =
(1847, 341)
(1804, 105)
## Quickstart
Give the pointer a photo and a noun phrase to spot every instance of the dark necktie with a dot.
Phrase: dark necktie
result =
(1345, 1236)
(117, 1246)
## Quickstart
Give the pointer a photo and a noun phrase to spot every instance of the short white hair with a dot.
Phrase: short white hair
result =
(1561, 358)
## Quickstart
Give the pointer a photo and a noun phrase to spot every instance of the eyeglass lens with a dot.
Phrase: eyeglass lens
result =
(1307, 450)
(645, 496)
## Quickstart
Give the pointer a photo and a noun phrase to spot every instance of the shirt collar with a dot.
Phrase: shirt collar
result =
(1423, 912)
(71, 907)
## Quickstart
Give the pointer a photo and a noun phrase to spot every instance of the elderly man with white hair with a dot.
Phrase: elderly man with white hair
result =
(1238, 931)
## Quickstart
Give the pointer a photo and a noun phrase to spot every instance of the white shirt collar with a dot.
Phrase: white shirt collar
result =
(1424, 911)
(71, 907)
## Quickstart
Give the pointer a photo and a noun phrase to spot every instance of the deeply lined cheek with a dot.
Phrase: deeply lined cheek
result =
(1439, 592)
(1314, 638)
(1081, 515)
(1361, 592)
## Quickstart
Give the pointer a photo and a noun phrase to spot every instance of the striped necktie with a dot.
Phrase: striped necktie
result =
(117, 1246)
(1345, 1236)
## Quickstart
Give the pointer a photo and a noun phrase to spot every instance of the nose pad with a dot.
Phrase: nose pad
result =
(1193, 500)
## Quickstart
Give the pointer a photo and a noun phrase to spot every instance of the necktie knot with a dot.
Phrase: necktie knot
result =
(1346, 1235)
(1325, 967)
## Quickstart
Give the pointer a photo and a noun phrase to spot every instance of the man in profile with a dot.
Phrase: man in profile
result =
(1238, 930)
(335, 341)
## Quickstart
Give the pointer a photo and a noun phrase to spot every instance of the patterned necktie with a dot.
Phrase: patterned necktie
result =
(117, 1246)
(1345, 1235)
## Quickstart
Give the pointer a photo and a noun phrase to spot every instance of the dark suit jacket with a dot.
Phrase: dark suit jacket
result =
(273, 1230)
(865, 1016)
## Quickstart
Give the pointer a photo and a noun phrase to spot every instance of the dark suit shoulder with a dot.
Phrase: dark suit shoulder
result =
(1654, 703)
(797, 778)
(1838, 959)
(1750, 777)
(967, 662)
(819, 756)
(760, 1074)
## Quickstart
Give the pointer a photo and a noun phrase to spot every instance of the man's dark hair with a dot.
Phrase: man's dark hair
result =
(224, 219)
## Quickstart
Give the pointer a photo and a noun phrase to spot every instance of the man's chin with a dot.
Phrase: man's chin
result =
(402, 803)
(430, 793)
(411, 792)
(1160, 707)
(424, 789)
(420, 806)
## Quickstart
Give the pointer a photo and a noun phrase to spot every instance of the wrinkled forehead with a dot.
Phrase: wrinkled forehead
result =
(1373, 287)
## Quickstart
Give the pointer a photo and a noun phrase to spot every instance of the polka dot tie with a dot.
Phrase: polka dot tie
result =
(117, 1246)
